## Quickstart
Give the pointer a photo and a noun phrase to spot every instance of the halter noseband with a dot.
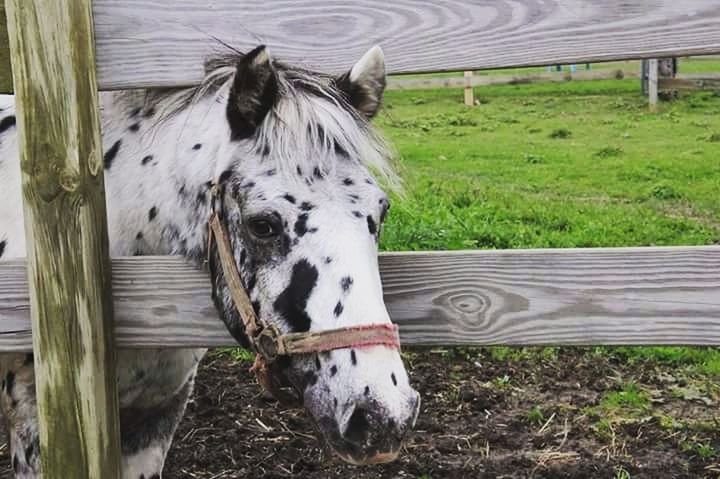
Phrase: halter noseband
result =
(267, 341)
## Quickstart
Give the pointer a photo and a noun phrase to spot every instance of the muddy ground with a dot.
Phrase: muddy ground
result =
(567, 414)
(561, 415)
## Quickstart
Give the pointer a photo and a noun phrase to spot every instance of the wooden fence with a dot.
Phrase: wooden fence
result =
(681, 82)
(472, 81)
(626, 296)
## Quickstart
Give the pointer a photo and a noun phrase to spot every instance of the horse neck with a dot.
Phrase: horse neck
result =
(158, 193)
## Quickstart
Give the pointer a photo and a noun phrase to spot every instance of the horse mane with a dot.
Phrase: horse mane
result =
(310, 127)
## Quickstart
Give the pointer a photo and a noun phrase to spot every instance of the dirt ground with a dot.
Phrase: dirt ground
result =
(539, 416)
(482, 417)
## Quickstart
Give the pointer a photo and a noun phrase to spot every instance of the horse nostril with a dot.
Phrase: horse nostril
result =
(358, 425)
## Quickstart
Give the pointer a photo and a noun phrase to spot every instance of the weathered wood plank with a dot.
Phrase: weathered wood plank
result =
(53, 59)
(144, 43)
(400, 83)
(653, 84)
(571, 297)
(5, 67)
(469, 96)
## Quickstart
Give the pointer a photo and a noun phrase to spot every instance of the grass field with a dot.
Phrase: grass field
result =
(579, 164)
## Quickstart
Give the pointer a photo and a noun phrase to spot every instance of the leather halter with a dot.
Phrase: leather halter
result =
(267, 341)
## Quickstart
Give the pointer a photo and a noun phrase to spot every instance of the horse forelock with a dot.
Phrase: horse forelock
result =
(310, 126)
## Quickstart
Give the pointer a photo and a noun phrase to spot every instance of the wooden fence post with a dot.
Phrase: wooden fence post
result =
(53, 61)
(653, 84)
(469, 97)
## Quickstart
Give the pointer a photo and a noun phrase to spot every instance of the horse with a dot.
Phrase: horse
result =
(303, 179)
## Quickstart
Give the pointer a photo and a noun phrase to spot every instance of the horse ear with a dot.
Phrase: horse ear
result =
(364, 85)
(252, 94)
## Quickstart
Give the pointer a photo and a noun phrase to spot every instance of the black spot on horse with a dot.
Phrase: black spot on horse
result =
(201, 198)
(149, 112)
(394, 379)
(135, 127)
(299, 171)
(301, 224)
(146, 160)
(367, 391)
(338, 309)
(333, 370)
(328, 260)
(289, 197)
(197, 146)
(293, 300)
(317, 173)
(111, 154)
(353, 357)
(135, 112)
(310, 379)
(139, 236)
(272, 172)
(354, 197)
(339, 150)
(30, 450)
(305, 206)
(152, 213)
(252, 282)
(224, 176)
(9, 383)
(3, 244)
(346, 283)
(318, 366)
(357, 214)
(7, 123)
(243, 256)
(372, 227)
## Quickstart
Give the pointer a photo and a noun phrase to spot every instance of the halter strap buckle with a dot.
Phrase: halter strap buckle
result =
(268, 343)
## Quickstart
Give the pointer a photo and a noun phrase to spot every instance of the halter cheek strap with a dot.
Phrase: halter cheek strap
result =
(266, 339)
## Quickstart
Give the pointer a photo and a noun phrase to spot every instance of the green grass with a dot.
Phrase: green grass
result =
(500, 175)
(536, 416)
(629, 397)
(578, 164)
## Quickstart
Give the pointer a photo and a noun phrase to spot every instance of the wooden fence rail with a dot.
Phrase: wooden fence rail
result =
(142, 43)
(400, 83)
(707, 81)
(630, 296)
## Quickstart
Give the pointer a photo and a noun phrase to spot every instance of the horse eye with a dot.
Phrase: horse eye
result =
(264, 227)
